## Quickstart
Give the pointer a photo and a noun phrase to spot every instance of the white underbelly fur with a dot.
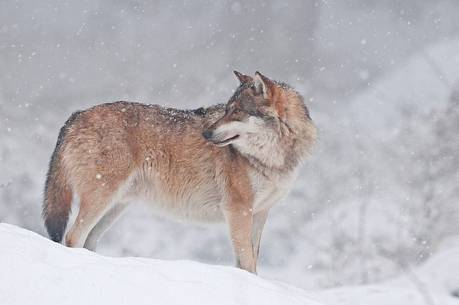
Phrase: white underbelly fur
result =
(201, 204)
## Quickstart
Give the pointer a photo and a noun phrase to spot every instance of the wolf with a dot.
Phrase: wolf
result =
(225, 163)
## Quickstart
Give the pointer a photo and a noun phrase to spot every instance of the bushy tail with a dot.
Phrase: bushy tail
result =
(58, 194)
(58, 202)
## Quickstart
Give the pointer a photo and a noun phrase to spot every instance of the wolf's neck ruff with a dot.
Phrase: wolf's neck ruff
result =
(280, 146)
(276, 155)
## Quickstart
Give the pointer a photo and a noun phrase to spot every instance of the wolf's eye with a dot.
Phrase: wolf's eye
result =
(237, 110)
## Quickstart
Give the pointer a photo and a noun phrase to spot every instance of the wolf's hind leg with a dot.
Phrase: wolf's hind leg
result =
(103, 225)
(93, 207)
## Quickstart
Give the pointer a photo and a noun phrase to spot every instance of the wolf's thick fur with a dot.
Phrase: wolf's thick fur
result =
(116, 153)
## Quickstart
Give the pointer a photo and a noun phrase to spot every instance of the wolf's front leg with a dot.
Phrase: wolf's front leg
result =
(239, 219)
(259, 220)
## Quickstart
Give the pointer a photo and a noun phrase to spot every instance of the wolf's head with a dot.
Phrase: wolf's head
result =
(262, 119)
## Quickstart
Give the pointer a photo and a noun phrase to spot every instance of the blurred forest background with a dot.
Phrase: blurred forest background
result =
(380, 78)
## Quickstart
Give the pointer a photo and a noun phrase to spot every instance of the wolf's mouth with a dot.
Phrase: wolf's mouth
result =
(226, 141)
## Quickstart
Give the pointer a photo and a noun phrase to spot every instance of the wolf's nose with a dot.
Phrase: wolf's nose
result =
(207, 134)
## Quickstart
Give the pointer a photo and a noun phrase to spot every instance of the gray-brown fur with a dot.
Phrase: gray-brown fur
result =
(116, 153)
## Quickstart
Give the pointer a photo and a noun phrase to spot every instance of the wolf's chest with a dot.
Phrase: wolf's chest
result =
(270, 190)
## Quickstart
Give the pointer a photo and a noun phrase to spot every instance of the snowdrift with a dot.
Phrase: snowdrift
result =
(34, 270)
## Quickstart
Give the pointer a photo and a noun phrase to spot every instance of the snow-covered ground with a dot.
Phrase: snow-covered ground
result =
(36, 271)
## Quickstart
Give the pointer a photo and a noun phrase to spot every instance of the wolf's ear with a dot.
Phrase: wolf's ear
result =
(264, 85)
(272, 93)
(243, 78)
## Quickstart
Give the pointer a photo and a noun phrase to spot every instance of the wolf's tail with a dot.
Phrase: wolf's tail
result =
(58, 193)
(58, 199)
